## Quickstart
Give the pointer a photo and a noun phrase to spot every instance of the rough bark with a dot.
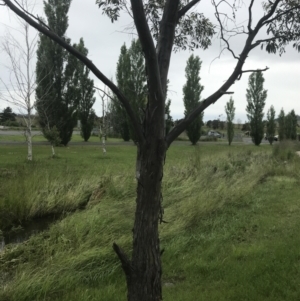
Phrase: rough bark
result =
(143, 271)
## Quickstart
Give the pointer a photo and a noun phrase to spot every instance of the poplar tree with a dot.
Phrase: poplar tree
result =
(281, 124)
(230, 113)
(131, 79)
(291, 126)
(55, 93)
(294, 124)
(271, 126)
(191, 96)
(137, 80)
(85, 93)
(256, 99)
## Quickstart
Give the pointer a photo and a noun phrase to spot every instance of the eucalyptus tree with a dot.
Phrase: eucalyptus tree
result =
(163, 26)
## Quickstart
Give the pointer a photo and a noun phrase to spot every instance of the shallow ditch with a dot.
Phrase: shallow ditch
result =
(17, 235)
(22, 232)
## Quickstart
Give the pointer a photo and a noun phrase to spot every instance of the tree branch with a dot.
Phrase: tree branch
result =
(257, 70)
(250, 16)
(186, 8)
(258, 42)
(85, 61)
(31, 15)
(281, 14)
(156, 98)
(126, 264)
(147, 43)
(166, 40)
(261, 22)
(104, 93)
(217, 14)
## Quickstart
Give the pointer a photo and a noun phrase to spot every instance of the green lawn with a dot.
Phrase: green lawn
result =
(233, 218)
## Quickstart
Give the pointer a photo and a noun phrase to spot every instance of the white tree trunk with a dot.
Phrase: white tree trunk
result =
(103, 144)
(53, 150)
(103, 125)
(29, 143)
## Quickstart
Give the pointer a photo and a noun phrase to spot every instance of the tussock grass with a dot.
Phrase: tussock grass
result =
(232, 232)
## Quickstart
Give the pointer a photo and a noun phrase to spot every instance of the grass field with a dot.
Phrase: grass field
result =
(41, 138)
(233, 218)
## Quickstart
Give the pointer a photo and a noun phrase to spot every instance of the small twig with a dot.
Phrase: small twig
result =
(104, 93)
(36, 18)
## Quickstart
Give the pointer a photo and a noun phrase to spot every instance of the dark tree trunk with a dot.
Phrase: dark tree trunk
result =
(143, 271)
(144, 283)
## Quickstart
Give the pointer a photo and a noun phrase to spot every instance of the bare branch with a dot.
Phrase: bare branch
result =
(104, 93)
(33, 16)
(254, 70)
(217, 14)
(126, 264)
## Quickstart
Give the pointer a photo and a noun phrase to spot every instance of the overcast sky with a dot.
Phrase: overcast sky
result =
(104, 40)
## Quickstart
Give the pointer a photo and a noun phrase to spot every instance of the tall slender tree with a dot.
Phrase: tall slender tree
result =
(294, 124)
(20, 51)
(271, 126)
(290, 122)
(85, 93)
(131, 78)
(256, 99)
(230, 113)
(137, 83)
(120, 119)
(281, 125)
(55, 93)
(288, 126)
(191, 96)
